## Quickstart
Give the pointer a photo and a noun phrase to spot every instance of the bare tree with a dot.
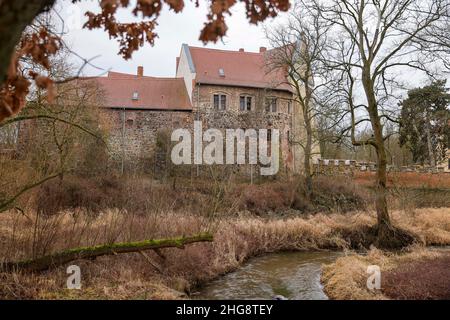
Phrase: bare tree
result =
(55, 136)
(298, 51)
(378, 44)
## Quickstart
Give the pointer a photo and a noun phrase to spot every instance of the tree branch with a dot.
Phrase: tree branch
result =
(49, 117)
(5, 205)
(61, 258)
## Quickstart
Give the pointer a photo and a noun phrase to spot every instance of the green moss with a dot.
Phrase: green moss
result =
(98, 250)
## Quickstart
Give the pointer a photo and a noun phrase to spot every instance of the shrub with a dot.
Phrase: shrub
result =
(338, 194)
(71, 192)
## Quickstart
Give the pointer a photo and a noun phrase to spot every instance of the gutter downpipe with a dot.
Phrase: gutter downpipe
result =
(123, 141)
(198, 119)
(294, 132)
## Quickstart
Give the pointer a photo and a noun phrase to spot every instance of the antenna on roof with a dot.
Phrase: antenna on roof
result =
(221, 72)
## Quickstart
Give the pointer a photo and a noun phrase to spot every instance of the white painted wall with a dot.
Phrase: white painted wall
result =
(184, 71)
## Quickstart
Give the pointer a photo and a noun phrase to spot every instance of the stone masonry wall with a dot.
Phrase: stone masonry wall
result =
(133, 133)
(257, 118)
(349, 167)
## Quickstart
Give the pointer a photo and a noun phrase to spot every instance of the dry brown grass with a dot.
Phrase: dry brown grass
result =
(432, 225)
(131, 276)
(345, 279)
(406, 179)
(142, 195)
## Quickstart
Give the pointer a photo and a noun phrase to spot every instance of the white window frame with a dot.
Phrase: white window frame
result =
(246, 105)
(220, 107)
(272, 104)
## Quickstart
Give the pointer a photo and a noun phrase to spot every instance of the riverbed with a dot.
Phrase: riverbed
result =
(293, 275)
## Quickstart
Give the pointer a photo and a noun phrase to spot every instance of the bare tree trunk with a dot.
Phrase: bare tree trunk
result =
(383, 219)
(431, 156)
(15, 16)
(307, 158)
(58, 259)
(387, 235)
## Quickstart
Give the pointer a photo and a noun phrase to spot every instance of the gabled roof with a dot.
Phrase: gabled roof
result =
(240, 68)
(152, 93)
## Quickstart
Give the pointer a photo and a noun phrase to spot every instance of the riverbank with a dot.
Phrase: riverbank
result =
(174, 272)
(417, 274)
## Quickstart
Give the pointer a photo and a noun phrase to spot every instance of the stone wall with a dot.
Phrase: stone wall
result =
(133, 133)
(257, 118)
(348, 167)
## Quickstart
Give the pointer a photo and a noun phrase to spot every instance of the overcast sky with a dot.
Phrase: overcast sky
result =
(173, 30)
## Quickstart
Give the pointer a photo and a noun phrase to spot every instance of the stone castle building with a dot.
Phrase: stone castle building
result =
(223, 89)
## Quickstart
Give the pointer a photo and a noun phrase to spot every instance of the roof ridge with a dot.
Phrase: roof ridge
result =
(137, 78)
(226, 51)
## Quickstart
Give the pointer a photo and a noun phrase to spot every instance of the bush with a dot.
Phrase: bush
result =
(71, 192)
(260, 199)
(338, 194)
(136, 195)
(141, 196)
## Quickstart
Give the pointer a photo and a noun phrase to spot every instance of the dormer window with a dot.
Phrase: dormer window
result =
(221, 72)
(135, 95)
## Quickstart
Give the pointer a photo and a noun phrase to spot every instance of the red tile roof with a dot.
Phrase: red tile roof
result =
(247, 69)
(113, 74)
(153, 93)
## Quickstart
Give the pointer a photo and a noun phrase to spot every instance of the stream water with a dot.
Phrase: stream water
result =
(294, 275)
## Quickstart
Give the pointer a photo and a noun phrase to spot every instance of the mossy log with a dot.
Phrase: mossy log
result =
(61, 258)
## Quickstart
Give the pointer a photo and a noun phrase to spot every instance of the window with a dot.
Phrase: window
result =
(289, 107)
(271, 105)
(245, 103)
(269, 135)
(135, 95)
(216, 101)
(220, 101)
(223, 102)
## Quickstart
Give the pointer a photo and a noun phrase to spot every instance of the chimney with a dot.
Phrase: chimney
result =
(140, 71)
(262, 49)
(241, 50)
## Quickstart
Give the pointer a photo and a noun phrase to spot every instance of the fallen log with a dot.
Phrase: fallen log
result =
(61, 258)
